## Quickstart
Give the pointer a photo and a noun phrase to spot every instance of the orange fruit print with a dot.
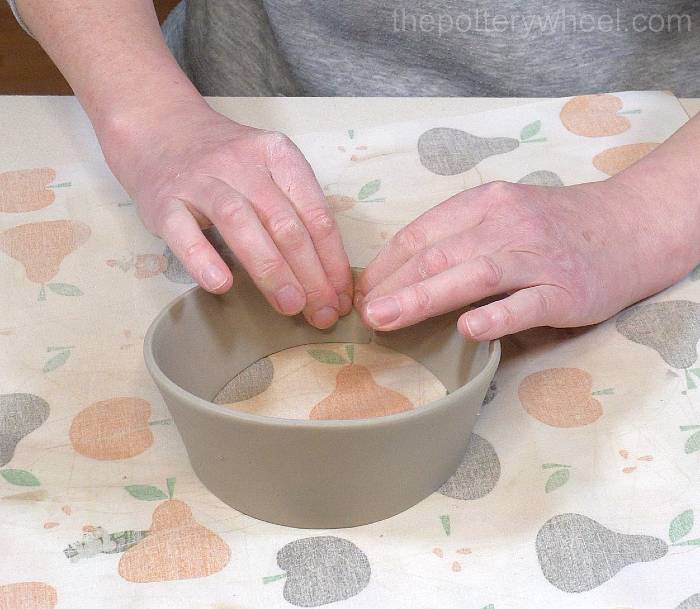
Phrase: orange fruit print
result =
(112, 429)
(594, 115)
(560, 397)
(177, 547)
(25, 190)
(27, 595)
(615, 160)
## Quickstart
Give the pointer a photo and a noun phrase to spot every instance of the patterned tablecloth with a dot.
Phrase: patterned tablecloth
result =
(582, 480)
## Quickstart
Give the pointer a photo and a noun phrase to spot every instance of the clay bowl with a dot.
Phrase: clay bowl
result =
(310, 473)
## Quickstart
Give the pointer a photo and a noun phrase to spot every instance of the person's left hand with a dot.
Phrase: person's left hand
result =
(563, 257)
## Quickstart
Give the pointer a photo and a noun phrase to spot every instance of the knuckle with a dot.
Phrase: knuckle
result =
(489, 273)
(432, 262)
(230, 211)
(499, 189)
(506, 317)
(278, 144)
(288, 230)
(321, 223)
(422, 300)
(411, 239)
(195, 248)
(268, 268)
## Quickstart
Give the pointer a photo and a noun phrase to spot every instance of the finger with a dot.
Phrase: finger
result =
(529, 308)
(289, 233)
(292, 173)
(458, 213)
(458, 286)
(436, 259)
(184, 237)
(240, 227)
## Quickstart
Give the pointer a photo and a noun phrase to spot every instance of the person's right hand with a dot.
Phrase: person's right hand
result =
(191, 167)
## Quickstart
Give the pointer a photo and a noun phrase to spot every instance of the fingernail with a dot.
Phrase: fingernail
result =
(213, 277)
(290, 300)
(477, 323)
(383, 311)
(358, 299)
(344, 303)
(325, 317)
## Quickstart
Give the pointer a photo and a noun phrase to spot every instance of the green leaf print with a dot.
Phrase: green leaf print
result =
(531, 130)
(692, 444)
(64, 289)
(57, 361)
(326, 356)
(145, 492)
(19, 477)
(369, 189)
(558, 479)
(680, 526)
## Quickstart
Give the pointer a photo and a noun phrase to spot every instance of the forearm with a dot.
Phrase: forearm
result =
(112, 54)
(667, 182)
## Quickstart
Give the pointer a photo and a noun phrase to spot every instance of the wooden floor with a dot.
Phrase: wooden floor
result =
(24, 67)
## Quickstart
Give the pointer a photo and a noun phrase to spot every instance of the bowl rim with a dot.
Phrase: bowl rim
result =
(204, 406)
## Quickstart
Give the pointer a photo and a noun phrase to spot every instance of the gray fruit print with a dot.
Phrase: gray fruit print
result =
(322, 570)
(20, 414)
(490, 393)
(692, 602)
(478, 473)
(577, 554)
(248, 383)
(671, 328)
(448, 152)
(176, 272)
(541, 178)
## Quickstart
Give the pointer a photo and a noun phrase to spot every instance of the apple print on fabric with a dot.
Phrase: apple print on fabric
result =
(20, 415)
(322, 570)
(113, 429)
(176, 547)
(615, 160)
(671, 328)
(477, 474)
(27, 189)
(28, 595)
(248, 383)
(561, 397)
(595, 115)
(541, 178)
(41, 247)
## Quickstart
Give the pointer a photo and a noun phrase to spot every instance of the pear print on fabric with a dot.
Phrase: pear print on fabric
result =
(560, 397)
(356, 395)
(248, 383)
(671, 328)
(177, 546)
(20, 415)
(594, 115)
(27, 189)
(41, 247)
(28, 595)
(322, 570)
(112, 429)
(448, 152)
(577, 554)
(477, 474)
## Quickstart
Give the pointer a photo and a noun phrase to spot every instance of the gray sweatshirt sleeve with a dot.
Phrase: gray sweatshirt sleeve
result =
(15, 12)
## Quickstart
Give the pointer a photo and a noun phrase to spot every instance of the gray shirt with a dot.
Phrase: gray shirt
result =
(437, 47)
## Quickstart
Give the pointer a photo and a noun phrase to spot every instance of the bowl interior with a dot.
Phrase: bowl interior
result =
(200, 341)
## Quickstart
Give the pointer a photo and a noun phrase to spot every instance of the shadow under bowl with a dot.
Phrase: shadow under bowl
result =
(311, 473)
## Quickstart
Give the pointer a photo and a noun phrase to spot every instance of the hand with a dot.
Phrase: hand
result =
(562, 257)
(190, 167)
